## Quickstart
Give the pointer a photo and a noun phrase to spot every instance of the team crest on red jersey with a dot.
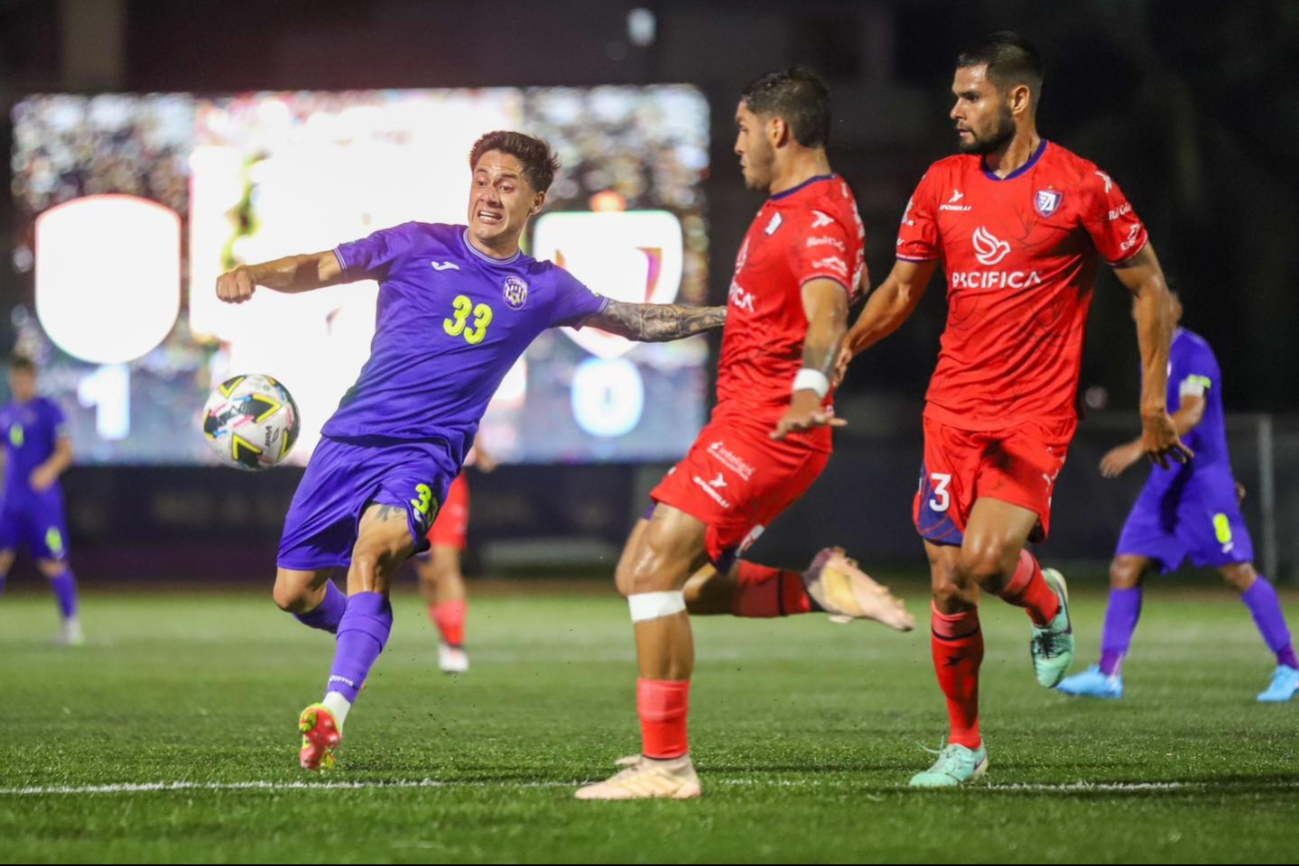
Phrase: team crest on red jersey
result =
(1048, 201)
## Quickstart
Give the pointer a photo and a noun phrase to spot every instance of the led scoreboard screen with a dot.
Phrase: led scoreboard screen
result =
(128, 207)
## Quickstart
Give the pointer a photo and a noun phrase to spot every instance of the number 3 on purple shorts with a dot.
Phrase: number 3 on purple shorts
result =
(425, 505)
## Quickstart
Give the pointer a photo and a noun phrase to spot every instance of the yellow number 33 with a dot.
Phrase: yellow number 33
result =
(459, 326)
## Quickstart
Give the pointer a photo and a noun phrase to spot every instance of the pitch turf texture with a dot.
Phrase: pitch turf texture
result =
(805, 734)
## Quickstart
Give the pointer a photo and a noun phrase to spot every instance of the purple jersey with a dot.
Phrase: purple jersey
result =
(1193, 372)
(1192, 511)
(31, 432)
(452, 321)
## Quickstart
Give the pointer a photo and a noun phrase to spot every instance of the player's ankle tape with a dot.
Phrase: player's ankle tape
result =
(648, 606)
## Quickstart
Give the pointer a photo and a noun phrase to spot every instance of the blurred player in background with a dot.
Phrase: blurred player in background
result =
(37, 451)
(1186, 512)
(440, 577)
(458, 306)
(1018, 224)
(801, 262)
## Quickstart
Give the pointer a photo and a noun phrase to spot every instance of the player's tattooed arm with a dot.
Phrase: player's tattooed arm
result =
(1144, 278)
(657, 323)
(825, 303)
(291, 274)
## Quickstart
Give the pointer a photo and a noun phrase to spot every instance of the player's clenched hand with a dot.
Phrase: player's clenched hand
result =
(42, 478)
(1121, 459)
(1160, 442)
(806, 412)
(237, 286)
(841, 366)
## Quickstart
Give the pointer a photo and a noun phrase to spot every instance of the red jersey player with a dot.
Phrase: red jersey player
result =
(440, 578)
(799, 265)
(1018, 224)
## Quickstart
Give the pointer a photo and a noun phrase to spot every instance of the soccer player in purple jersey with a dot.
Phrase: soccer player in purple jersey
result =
(1186, 511)
(37, 451)
(458, 305)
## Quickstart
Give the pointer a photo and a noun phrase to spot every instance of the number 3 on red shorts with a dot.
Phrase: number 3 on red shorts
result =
(942, 496)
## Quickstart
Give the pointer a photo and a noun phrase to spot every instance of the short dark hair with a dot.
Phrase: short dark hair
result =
(21, 364)
(539, 161)
(1011, 60)
(799, 96)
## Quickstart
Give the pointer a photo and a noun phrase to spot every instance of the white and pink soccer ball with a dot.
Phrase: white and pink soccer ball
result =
(251, 422)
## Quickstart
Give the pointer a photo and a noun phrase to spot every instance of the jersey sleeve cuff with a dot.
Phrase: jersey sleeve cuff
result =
(342, 260)
(1127, 257)
(579, 325)
(917, 259)
(834, 278)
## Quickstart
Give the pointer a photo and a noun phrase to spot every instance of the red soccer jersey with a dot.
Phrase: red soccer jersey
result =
(1020, 255)
(810, 232)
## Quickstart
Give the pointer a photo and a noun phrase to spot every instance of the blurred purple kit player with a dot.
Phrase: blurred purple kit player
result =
(37, 452)
(1186, 512)
(458, 306)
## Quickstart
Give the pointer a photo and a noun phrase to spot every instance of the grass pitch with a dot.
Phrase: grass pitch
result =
(170, 738)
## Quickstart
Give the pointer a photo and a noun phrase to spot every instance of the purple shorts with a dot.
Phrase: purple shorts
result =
(1197, 519)
(38, 525)
(344, 478)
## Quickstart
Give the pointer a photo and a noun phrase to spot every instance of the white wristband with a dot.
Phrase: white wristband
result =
(812, 380)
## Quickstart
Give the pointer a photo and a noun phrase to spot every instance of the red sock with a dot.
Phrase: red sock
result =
(663, 706)
(958, 654)
(764, 593)
(1028, 589)
(449, 617)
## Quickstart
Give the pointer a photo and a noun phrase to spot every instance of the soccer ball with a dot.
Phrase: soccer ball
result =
(251, 422)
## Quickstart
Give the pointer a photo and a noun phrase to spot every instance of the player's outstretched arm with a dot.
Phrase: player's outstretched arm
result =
(1143, 276)
(291, 274)
(890, 306)
(825, 302)
(657, 323)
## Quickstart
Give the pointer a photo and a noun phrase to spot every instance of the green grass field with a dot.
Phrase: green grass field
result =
(804, 735)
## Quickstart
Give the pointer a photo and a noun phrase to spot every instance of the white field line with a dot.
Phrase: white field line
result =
(1063, 788)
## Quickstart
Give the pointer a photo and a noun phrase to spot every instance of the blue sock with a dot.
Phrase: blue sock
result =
(329, 614)
(65, 590)
(362, 635)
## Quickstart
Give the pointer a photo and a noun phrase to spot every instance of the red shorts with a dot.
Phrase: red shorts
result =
(1018, 465)
(451, 529)
(737, 481)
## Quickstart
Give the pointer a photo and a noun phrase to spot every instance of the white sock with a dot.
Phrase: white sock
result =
(339, 706)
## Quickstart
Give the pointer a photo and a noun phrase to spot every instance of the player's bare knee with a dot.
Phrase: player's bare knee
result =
(292, 597)
(1126, 574)
(652, 570)
(1239, 577)
(988, 565)
(51, 568)
(6, 561)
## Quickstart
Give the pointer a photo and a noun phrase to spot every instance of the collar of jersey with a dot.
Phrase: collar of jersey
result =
(802, 186)
(1023, 169)
(482, 256)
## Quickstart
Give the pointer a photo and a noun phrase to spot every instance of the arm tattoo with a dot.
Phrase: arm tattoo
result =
(657, 323)
(388, 512)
